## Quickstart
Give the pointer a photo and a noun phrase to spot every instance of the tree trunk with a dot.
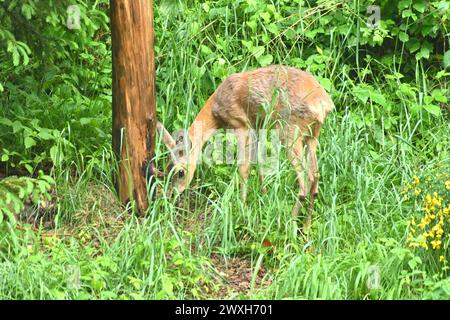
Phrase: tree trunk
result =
(134, 112)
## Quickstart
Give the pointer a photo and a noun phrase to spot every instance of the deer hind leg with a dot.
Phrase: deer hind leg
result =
(313, 177)
(261, 179)
(244, 156)
(295, 154)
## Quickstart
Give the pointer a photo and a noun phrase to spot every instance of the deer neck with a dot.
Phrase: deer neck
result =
(203, 127)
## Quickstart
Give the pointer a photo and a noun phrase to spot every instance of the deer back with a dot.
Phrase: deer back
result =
(284, 92)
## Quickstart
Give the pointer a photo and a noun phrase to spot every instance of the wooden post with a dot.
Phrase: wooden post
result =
(134, 111)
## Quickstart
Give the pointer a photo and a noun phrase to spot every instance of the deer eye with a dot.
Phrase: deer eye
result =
(181, 174)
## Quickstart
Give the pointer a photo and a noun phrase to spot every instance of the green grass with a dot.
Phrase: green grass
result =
(359, 222)
(370, 147)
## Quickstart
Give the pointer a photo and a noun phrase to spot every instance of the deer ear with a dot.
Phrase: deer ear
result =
(167, 140)
(166, 137)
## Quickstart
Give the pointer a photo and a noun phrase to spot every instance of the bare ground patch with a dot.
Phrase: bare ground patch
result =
(237, 274)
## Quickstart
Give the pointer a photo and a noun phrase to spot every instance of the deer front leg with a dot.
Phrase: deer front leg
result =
(261, 179)
(244, 155)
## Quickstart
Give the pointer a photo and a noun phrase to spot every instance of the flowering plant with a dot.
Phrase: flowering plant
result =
(429, 228)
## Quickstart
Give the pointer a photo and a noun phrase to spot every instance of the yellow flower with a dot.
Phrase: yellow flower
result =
(436, 244)
(423, 244)
(432, 229)
(423, 223)
(436, 202)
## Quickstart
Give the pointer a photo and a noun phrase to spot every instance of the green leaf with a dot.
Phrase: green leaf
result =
(206, 7)
(252, 25)
(265, 16)
(6, 122)
(247, 44)
(428, 99)
(326, 83)
(206, 50)
(28, 167)
(425, 50)
(412, 264)
(273, 28)
(16, 57)
(54, 154)
(27, 11)
(413, 45)
(361, 93)
(17, 126)
(432, 109)
(29, 142)
(26, 59)
(443, 6)
(378, 38)
(439, 96)
(167, 285)
(257, 51)
(447, 59)
(403, 4)
(45, 134)
(420, 7)
(378, 97)
(408, 13)
(265, 60)
(85, 121)
(46, 178)
(403, 36)
(439, 75)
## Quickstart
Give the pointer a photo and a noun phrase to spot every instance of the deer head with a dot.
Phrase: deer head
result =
(182, 172)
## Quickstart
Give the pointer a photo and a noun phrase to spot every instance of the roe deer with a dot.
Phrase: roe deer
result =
(299, 108)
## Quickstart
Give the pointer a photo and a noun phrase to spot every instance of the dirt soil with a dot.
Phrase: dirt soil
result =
(237, 276)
